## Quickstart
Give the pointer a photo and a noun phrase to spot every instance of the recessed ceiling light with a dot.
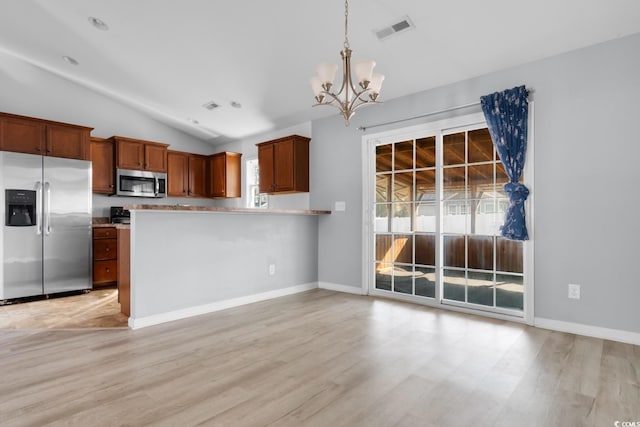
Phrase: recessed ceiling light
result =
(70, 60)
(235, 104)
(98, 23)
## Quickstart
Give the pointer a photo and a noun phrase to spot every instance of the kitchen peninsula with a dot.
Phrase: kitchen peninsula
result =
(189, 260)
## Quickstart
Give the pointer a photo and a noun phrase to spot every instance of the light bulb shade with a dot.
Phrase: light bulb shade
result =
(327, 72)
(376, 83)
(364, 70)
(316, 85)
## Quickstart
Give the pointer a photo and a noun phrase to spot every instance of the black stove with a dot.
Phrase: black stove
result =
(119, 215)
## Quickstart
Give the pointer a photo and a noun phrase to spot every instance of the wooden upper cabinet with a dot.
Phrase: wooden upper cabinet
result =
(130, 154)
(36, 136)
(177, 174)
(63, 141)
(266, 181)
(155, 156)
(197, 175)
(137, 154)
(22, 135)
(284, 165)
(102, 158)
(187, 174)
(225, 175)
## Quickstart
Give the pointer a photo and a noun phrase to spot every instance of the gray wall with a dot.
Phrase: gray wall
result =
(30, 91)
(182, 260)
(586, 157)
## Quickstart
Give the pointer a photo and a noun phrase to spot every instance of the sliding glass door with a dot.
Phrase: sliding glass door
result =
(437, 206)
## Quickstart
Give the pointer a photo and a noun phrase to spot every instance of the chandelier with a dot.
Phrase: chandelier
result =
(350, 97)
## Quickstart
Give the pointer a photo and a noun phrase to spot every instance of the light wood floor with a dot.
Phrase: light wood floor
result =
(318, 359)
(96, 309)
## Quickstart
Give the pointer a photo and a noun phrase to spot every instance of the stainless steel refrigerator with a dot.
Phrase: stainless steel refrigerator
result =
(45, 238)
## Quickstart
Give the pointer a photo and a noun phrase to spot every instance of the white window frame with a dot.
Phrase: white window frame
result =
(369, 143)
(249, 186)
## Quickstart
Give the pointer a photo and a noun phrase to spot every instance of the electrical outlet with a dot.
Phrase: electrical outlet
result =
(574, 291)
(272, 269)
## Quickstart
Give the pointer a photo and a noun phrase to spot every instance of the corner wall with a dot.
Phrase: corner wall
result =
(586, 158)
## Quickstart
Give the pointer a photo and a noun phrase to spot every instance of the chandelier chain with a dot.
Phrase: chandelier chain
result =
(346, 16)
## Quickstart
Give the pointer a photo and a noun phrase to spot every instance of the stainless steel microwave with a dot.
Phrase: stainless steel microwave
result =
(135, 183)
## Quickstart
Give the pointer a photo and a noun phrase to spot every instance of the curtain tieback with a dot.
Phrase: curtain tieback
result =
(517, 192)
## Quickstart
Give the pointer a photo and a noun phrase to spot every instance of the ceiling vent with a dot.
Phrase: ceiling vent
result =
(210, 105)
(402, 25)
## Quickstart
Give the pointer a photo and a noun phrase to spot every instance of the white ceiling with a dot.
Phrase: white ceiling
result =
(169, 57)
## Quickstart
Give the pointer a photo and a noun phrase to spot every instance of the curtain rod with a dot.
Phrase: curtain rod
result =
(433, 113)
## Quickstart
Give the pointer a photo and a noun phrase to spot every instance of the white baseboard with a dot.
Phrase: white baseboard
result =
(340, 288)
(155, 319)
(589, 331)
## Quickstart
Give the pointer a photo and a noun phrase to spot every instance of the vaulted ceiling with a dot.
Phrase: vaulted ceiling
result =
(169, 58)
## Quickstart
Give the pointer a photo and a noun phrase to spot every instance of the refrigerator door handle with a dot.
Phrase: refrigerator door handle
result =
(47, 208)
(39, 211)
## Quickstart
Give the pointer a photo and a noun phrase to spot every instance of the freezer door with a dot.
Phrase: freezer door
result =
(20, 247)
(67, 224)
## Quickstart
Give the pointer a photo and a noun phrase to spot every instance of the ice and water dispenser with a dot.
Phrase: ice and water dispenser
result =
(20, 208)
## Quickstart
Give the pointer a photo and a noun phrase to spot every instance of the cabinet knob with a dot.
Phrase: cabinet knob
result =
(107, 249)
(108, 270)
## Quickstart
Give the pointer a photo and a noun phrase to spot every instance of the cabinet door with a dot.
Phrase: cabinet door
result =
(265, 162)
(102, 154)
(284, 176)
(67, 142)
(105, 249)
(155, 158)
(217, 174)
(233, 166)
(22, 136)
(105, 271)
(197, 176)
(130, 155)
(177, 176)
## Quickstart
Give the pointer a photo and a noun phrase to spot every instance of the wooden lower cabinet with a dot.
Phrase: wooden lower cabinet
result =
(124, 270)
(105, 256)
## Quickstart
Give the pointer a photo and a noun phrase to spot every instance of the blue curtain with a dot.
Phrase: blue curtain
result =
(506, 114)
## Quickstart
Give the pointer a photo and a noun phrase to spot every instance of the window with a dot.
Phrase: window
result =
(254, 198)
(438, 204)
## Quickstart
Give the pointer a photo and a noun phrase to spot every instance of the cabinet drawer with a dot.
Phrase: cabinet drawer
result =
(105, 249)
(104, 233)
(105, 271)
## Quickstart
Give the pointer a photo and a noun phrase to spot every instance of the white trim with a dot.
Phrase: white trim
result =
(342, 288)
(528, 246)
(588, 330)
(439, 128)
(367, 214)
(155, 319)
(440, 306)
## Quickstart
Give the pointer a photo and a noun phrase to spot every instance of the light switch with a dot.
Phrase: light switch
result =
(340, 206)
